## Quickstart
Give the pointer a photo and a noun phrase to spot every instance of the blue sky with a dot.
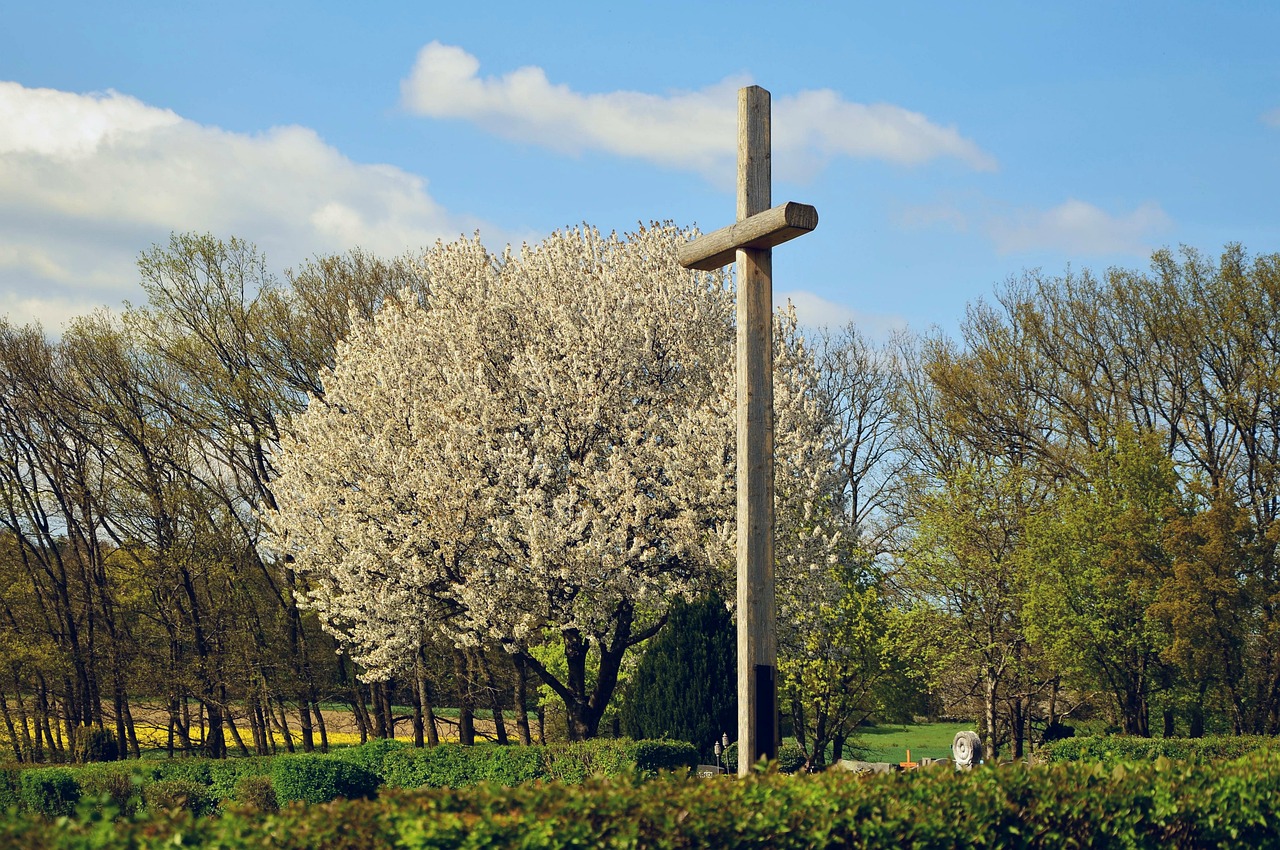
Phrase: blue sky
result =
(947, 146)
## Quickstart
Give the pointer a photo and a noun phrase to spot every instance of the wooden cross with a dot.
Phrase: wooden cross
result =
(750, 242)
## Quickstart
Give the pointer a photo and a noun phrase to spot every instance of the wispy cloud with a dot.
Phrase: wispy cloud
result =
(1271, 117)
(691, 130)
(813, 311)
(89, 180)
(1079, 228)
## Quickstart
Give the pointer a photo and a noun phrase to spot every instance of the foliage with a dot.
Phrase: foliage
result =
(372, 755)
(10, 788)
(1110, 749)
(685, 686)
(93, 743)
(175, 794)
(1094, 557)
(960, 576)
(1144, 805)
(455, 766)
(50, 791)
(256, 792)
(320, 778)
(791, 758)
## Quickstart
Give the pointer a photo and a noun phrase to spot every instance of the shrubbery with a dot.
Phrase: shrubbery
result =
(455, 766)
(171, 795)
(313, 778)
(790, 757)
(1112, 749)
(1147, 805)
(50, 791)
(93, 743)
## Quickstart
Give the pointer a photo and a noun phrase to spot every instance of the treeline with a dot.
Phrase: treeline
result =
(135, 455)
(1093, 488)
(1069, 509)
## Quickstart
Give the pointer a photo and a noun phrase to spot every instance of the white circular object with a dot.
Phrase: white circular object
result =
(967, 749)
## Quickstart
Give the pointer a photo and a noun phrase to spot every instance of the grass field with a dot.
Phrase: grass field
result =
(925, 740)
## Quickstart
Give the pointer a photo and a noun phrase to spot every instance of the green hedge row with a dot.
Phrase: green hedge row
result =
(200, 785)
(1156, 805)
(1112, 749)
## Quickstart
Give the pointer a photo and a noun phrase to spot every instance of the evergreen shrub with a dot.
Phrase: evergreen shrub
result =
(93, 744)
(685, 687)
(115, 784)
(225, 774)
(790, 757)
(371, 754)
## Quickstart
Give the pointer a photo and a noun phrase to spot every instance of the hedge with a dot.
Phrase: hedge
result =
(456, 766)
(203, 784)
(312, 778)
(1112, 749)
(1149, 805)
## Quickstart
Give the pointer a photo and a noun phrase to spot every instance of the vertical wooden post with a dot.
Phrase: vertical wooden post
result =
(757, 618)
(750, 242)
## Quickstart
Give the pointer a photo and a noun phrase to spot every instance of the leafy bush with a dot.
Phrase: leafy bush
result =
(320, 778)
(371, 754)
(790, 757)
(1144, 805)
(444, 766)
(187, 768)
(456, 766)
(117, 784)
(93, 743)
(171, 795)
(50, 791)
(225, 774)
(257, 793)
(1110, 749)
(10, 788)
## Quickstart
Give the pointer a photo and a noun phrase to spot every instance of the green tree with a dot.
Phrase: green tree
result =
(685, 686)
(1093, 559)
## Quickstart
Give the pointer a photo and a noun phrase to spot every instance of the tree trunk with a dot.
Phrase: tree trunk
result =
(495, 698)
(424, 702)
(304, 726)
(8, 725)
(991, 708)
(521, 700)
(320, 724)
(466, 704)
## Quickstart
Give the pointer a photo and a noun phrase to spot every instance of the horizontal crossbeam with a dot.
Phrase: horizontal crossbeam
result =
(762, 230)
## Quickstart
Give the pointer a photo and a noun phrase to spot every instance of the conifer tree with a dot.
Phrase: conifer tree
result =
(685, 686)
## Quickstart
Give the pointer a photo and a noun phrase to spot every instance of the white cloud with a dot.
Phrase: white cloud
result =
(689, 129)
(88, 181)
(813, 311)
(1271, 117)
(1079, 228)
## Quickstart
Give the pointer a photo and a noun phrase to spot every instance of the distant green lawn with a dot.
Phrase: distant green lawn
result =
(890, 743)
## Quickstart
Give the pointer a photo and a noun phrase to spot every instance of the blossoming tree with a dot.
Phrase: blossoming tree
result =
(528, 443)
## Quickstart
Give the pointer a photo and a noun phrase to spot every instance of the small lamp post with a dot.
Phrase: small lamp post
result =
(720, 747)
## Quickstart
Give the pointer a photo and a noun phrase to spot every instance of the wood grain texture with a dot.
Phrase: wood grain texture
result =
(757, 615)
(755, 171)
(762, 230)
